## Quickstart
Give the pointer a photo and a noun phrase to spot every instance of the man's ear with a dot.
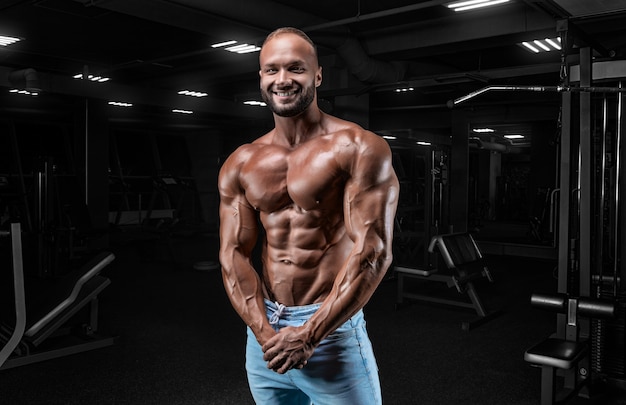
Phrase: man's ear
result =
(318, 77)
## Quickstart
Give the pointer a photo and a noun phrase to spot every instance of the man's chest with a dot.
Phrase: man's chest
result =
(276, 177)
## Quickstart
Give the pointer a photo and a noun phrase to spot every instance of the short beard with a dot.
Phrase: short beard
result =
(302, 102)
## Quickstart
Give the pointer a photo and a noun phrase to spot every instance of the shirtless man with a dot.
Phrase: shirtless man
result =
(325, 192)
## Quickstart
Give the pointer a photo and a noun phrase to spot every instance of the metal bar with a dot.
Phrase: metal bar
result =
(564, 201)
(600, 234)
(19, 296)
(585, 181)
(618, 264)
(581, 89)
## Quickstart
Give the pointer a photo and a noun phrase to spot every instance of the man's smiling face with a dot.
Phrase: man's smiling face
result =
(289, 74)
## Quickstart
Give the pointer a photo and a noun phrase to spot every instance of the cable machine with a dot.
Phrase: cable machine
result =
(588, 348)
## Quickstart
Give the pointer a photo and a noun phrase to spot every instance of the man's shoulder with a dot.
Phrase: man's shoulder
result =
(354, 133)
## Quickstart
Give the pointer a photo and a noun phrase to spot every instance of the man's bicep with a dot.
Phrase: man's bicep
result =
(238, 224)
(371, 197)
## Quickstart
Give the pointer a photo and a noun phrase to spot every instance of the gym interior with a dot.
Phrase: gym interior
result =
(507, 281)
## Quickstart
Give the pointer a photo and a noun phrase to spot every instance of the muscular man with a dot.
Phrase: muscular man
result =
(325, 192)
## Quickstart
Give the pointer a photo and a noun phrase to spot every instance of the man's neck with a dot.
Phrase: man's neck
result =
(298, 129)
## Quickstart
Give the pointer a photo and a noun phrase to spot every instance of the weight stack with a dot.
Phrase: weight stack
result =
(608, 342)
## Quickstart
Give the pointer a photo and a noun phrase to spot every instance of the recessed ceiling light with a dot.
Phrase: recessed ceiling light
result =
(542, 45)
(514, 136)
(120, 104)
(255, 103)
(473, 4)
(93, 78)
(404, 89)
(176, 110)
(192, 93)
(243, 48)
(5, 41)
(390, 137)
(422, 143)
(239, 48)
(483, 130)
(24, 92)
(225, 43)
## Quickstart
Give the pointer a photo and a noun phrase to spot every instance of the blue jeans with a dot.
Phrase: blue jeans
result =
(342, 370)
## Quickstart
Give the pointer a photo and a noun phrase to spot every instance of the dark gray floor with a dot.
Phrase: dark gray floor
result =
(180, 342)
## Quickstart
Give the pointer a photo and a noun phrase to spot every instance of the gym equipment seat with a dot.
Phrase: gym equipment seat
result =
(566, 353)
(463, 264)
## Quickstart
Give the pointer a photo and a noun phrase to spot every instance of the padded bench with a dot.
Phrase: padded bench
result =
(566, 353)
(463, 264)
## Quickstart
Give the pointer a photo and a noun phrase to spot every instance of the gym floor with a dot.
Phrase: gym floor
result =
(180, 342)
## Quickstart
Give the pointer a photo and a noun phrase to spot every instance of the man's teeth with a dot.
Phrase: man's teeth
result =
(285, 94)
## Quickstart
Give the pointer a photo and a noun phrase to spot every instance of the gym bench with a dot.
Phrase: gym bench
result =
(464, 263)
(46, 313)
(566, 353)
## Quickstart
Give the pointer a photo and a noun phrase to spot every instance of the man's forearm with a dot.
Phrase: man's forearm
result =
(243, 288)
(351, 291)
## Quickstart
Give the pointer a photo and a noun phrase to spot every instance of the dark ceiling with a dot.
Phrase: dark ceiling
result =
(152, 48)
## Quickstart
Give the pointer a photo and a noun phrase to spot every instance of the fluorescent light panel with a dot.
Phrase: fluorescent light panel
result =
(239, 48)
(99, 79)
(179, 111)
(221, 44)
(120, 104)
(24, 92)
(473, 4)
(514, 136)
(542, 45)
(192, 93)
(5, 41)
(483, 130)
(255, 103)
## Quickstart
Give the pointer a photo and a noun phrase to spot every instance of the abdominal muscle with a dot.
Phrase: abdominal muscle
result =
(303, 253)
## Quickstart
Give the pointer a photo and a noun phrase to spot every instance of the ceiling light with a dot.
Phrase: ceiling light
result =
(5, 41)
(422, 143)
(555, 43)
(192, 93)
(120, 104)
(542, 45)
(225, 43)
(390, 137)
(405, 89)
(239, 48)
(472, 4)
(243, 48)
(255, 103)
(25, 92)
(483, 130)
(514, 136)
(182, 111)
(99, 79)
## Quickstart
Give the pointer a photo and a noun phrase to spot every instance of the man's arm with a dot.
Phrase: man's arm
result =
(370, 201)
(238, 235)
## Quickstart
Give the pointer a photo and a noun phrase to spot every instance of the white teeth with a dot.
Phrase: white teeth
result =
(285, 94)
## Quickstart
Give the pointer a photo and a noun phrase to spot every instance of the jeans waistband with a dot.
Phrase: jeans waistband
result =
(292, 313)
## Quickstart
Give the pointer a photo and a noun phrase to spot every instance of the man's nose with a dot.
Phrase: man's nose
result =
(283, 78)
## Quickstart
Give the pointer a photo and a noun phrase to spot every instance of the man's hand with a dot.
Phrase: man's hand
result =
(287, 350)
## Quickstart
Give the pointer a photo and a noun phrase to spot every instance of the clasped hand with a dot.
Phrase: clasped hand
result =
(287, 349)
